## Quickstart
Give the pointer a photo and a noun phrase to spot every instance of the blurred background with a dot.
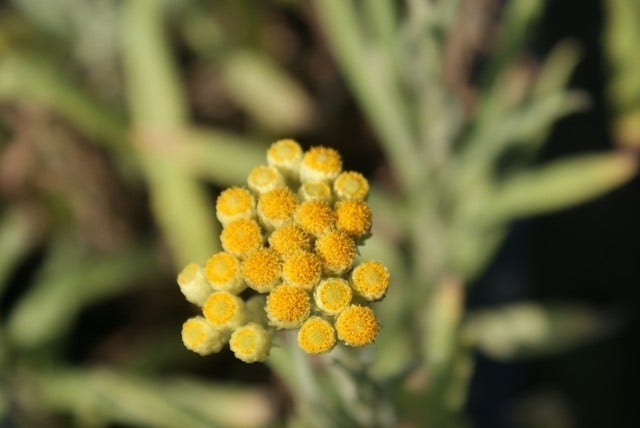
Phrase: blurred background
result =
(121, 121)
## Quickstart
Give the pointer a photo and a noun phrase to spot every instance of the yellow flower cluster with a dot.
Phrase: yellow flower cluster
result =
(289, 262)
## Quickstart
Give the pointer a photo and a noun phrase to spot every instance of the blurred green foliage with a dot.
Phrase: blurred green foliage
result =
(119, 114)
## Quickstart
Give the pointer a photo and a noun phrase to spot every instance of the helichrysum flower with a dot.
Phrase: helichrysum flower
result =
(316, 336)
(288, 306)
(265, 178)
(370, 280)
(261, 269)
(357, 325)
(241, 236)
(222, 270)
(291, 237)
(276, 207)
(235, 203)
(251, 342)
(337, 252)
(332, 295)
(200, 336)
(224, 310)
(193, 284)
(351, 185)
(315, 217)
(354, 218)
(315, 191)
(302, 269)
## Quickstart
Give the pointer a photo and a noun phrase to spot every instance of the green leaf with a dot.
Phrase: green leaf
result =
(266, 92)
(69, 281)
(18, 233)
(558, 185)
(526, 330)
(124, 398)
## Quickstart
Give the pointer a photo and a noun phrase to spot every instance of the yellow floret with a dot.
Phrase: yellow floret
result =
(337, 251)
(199, 336)
(276, 207)
(223, 273)
(288, 306)
(250, 343)
(332, 295)
(315, 217)
(354, 217)
(316, 336)
(320, 164)
(351, 185)
(370, 280)
(241, 236)
(286, 156)
(289, 239)
(357, 325)
(233, 204)
(302, 269)
(193, 284)
(261, 269)
(265, 178)
(224, 310)
(315, 191)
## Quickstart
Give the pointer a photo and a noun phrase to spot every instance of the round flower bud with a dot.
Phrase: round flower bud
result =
(199, 336)
(254, 306)
(222, 270)
(370, 280)
(265, 178)
(354, 217)
(357, 325)
(288, 306)
(276, 207)
(351, 185)
(233, 204)
(316, 336)
(315, 191)
(337, 252)
(320, 164)
(261, 269)
(241, 236)
(289, 239)
(224, 310)
(193, 284)
(285, 155)
(315, 217)
(332, 295)
(302, 269)
(250, 343)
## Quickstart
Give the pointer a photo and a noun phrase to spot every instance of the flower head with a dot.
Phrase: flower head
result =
(250, 343)
(224, 310)
(241, 236)
(315, 217)
(302, 269)
(285, 155)
(276, 207)
(351, 185)
(332, 295)
(289, 239)
(222, 270)
(288, 306)
(337, 252)
(193, 284)
(264, 178)
(357, 325)
(199, 336)
(233, 204)
(370, 280)
(320, 164)
(315, 191)
(316, 336)
(353, 217)
(261, 269)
